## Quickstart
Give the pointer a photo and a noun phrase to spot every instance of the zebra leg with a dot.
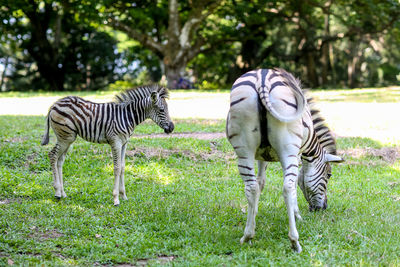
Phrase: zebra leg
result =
(244, 134)
(121, 177)
(262, 165)
(252, 192)
(53, 156)
(116, 148)
(57, 156)
(290, 167)
(286, 141)
(60, 164)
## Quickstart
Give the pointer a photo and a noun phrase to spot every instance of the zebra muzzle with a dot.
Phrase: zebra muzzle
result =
(317, 208)
(170, 127)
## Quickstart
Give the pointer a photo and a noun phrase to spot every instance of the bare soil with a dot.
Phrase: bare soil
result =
(196, 135)
(385, 154)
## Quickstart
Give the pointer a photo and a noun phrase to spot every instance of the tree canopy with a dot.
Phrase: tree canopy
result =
(86, 45)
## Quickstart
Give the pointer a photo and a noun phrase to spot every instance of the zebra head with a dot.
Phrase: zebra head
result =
(313, 180)
(159, 110)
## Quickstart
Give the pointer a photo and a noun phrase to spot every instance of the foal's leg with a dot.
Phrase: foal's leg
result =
(121, 178)
(60, 163)
(116, 148)
(57, 157)
(53, 156)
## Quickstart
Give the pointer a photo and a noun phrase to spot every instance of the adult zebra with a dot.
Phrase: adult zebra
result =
(111, 123)
(271, 120)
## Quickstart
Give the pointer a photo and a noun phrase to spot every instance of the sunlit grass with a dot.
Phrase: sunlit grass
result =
(187, 202)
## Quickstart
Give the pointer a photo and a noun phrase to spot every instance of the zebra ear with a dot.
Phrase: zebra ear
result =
(154, 97)
(333, 158)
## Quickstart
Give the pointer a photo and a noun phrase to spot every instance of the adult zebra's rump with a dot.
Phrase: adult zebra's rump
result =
(111, 123)
(271, 120)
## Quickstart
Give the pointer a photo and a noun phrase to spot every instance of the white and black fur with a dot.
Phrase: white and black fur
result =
(111, 123)
(270, 119)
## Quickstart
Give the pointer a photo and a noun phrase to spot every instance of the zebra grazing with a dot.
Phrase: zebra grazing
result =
(271, 120)
(111, 123)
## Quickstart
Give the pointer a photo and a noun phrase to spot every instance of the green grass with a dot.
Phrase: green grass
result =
(186, 205)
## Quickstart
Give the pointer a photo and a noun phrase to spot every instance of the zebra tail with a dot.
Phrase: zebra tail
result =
(45, 139)
(294, 85)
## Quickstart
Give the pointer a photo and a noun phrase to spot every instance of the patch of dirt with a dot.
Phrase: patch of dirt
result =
(15, 139)
(159, 152)
(49, 234)
(196, 135)
(159, 260)
(387, 154)
(31, 160)
(9, 201)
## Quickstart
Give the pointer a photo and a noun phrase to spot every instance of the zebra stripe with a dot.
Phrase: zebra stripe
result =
(291, 129)
(111, 123)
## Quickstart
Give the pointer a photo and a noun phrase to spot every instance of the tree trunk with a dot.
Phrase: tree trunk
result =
(326, 63)
(173, 74)
(183, 42)
(311, 70)
(3, 74)
(42, 50)
(353, 64)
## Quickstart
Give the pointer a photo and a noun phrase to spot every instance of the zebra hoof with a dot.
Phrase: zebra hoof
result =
(296, 247)
(245, 239)
(57, 197)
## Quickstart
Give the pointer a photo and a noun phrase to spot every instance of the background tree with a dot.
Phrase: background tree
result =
(175, 31)
(65, 44)
(53, 50)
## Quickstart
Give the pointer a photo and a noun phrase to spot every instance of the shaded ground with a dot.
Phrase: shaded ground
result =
(386, 154)
(196, 135)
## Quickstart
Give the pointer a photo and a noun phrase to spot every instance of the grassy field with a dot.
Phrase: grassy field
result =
(186, 202)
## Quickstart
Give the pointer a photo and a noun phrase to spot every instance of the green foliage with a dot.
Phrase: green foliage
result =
(47, 47)
(208, 85)
(54, 45)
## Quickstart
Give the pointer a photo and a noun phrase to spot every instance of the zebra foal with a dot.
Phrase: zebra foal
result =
(111, 123)
(270, 119)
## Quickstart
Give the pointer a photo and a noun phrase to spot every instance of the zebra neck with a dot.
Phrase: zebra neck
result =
(137, 112)
(313, 151)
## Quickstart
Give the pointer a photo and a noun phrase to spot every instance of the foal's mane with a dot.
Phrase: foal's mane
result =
(141, 92)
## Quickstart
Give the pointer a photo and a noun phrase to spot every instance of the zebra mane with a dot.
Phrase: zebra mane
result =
(324, 134)
(141, 92)
(322, 131)
(289, 79)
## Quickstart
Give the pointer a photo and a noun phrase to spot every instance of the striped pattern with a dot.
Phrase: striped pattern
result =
(111, 123)
(270, 119)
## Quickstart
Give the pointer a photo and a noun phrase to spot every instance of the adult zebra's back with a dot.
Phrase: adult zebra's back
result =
(271, 120)
(111, 123)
